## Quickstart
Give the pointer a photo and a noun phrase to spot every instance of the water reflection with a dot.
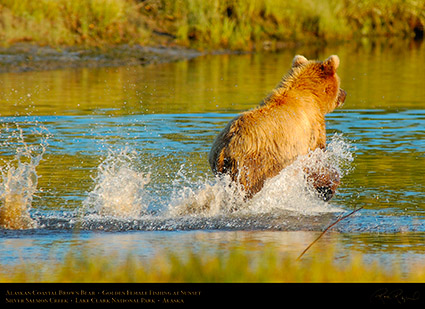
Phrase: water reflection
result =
(382, 78)
(148, 244)
(402, 250)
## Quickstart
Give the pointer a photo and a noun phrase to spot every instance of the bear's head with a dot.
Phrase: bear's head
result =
(319, 77)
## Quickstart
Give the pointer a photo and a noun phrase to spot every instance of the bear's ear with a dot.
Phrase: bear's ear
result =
(331, 64)
(299, 60)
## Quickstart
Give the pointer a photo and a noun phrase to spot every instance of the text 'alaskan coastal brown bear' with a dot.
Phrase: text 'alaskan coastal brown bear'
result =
(289, 122)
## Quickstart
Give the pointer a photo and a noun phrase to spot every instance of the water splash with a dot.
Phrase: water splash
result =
(291, 190)
(122, 197)
(19, 179)
(206, 198)
(119, 188)
(288, 191)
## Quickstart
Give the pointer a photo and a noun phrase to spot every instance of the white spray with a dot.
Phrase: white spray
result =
(18, 180)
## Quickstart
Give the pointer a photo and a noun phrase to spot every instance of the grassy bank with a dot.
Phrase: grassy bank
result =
(236, 266)
(215, 24)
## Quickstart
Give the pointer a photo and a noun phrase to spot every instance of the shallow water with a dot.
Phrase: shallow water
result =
(114, 154)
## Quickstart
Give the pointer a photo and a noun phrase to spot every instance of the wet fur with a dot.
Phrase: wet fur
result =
(290, 122)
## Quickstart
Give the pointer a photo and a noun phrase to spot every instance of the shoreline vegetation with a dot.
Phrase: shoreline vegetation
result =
(47, 34)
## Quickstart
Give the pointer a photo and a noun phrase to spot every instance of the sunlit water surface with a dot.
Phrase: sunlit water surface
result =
(107, 160)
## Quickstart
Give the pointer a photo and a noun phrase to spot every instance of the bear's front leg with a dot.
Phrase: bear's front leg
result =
(325, 179)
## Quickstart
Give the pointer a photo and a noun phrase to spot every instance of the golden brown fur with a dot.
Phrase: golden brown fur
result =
(258, 144)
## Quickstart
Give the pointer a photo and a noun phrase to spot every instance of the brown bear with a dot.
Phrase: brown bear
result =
(288, 123)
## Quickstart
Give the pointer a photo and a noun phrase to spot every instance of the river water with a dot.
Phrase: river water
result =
(107, 160)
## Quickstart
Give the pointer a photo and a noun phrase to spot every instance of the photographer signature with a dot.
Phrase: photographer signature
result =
(385, 295)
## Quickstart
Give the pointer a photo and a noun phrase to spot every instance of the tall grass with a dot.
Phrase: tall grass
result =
(231, 24)
(242, 24)
(245, 24)
(62, 22)
(235, 266)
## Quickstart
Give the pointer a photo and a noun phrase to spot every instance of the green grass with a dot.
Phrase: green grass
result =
(62, 22)
(214, 24)
(236, 266)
